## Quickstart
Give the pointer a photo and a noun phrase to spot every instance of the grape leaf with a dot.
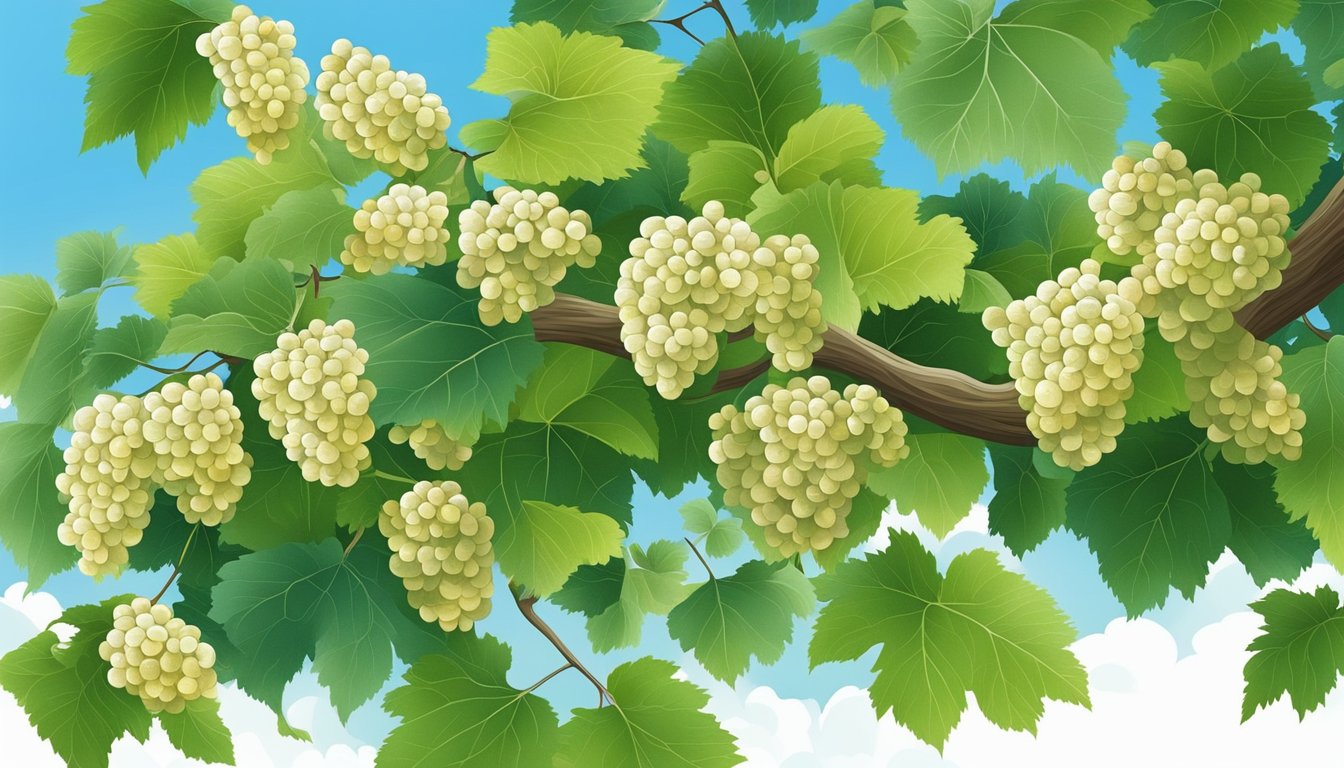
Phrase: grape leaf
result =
(767, 13)
(657, 722)
(1026, 506)
(939, 481)
(934, 334)
(1025, 85)
(199, 733)
(31, 509)
(592, 589)
(458, 709)
(653, 582)
(46, 393)
(1254, 115)
(874, 251)
(751, 88)
(727, 171)
(865, 517)
(238, 309)
(980, 629)
(117, 351)
(981, 291)
(1102, 25)
(1054, 229)
(593, 393)
(358, 506)
(1210, 32)
(625, 18)
(1320, 26)
(166, 269)
(63, 687)
(1153, 513)
(26, 303)
(303, 228)
(86, 260)
(875, 38)
(546, 543)
(835, 143)
(1301, 652)
(1331, 173)
(581, 104)
(1313, 486)
(145, 77)
(989, 209)
(1159, 384)
(722, 535)
(727, 621)
(1263, 538)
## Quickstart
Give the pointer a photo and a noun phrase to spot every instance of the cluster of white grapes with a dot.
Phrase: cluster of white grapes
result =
(1135, 195)
(797, 455)
(1073, 348)
(263, 81)
(442, 552)
(404, 226)
(687, 281)
(186, 438)
(518, 249)
(432, 444)
(312, 391)
(158, 657)
(379, 112)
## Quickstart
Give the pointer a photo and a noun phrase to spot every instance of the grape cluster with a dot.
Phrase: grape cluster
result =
(442, 552)
(312, 392)
(263, 82)
(687, 281)
(404, 226)
(1135, 195)
(158, 657)
(379, 112)
(796, 456)
(197, 434)
(432, 444)
(518, 249)
(1073, 348)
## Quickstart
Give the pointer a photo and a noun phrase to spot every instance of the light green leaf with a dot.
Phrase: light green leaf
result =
(981, 291)
(458, 710)
(199, 733)
(581, 104)
(1301, 652)
(166, 269)
(657, 723)
(654, 583)
(1021, 86)
(46, 393)
(1320, 27)
(1253, 115)
(1159, 384)
(1102, 24)
(86, 260)
(1209, 32)
(939, 481)
(544, 545)
(835, 143)
(727, 171)
(26, 302)
(117, 351)
(981, 629)
(626, 18)
(302, 229)
(145, 77)
(1313, 486)
(593, 393)
(1263, 538)
(722, 535)
(1027, 506)
(875, 38)
(767, 13)
(30, 509)
(727, 621)
(238, 309)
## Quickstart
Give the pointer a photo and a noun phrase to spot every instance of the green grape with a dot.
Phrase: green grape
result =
(1135, 195)
(432, 444)
(403, 227)
(788, 310)
(158, 657)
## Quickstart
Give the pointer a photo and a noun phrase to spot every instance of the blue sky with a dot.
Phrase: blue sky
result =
(50, 190)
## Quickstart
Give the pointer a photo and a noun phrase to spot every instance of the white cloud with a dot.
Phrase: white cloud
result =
(971, 532)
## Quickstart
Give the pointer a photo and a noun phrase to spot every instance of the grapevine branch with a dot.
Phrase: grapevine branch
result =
(701, 558)
(953, 399)
(527, 606)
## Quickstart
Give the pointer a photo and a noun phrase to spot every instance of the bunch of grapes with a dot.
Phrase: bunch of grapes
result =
(518, 249)
(312, 391)
(1135, 195)
(1073, 349)
(432, 444)
(442, 552)
(379, 112)
(158, 657)
(796, 456)
(263, 82)
(404, 226)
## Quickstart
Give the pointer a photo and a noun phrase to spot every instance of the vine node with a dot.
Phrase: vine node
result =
(527, 607)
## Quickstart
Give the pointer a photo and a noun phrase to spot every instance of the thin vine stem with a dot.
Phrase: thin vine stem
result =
(359, 534)
(165, 379)
(392, 477)
(177, 568)
(1322, 335)
(543, 680)
(179, 369)
(701, 558)
(527, 607)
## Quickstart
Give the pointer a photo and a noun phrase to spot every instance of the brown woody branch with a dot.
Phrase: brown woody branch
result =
(528, 607)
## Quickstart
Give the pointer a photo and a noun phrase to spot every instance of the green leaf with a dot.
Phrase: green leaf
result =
(981, 629)
(358, 506)
(1301, 652)
(593, 588)
(1159, 384)
(875, 38)
(46, 393)
(1153, 513)
(751, 88)
(581, 104)
(117, 351)
(1332, 170)
(874, 251)
(727, 171)
(1102, 25)
(865, 517)
(626, 18)
(939, 481)
(835, 143)
(653, 582)
(938, 335)
(145, 77)
(31, 509)
(1022, 85)
(1210, 32)
(1053, 230)
(544, 545)
(1320, 27)
(166, 269)
(303, 228)
(767, 13)
(722, 535)
(657, 722)
(989, 208)
(26, 303)
(593, 393)
(1263, 538)
(238, 309)
(458, 709)
(1026, 506)
(429, 355)
(199, 733)
(981, 291)
(1253, 115)
(727, 621)
(63, 687)
(1313, 486)
(86, 260)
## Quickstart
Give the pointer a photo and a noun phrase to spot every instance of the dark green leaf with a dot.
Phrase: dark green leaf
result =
(1159, 384)
(1301, 652)
(767, 13)
(874, 37)
(990, 210)
(627, 19)
(46, 393)
(1312, 488)
(30, 508)
(1026, 506)
(1263, 539)
(1320, 26)
(593, 588)
(593, 393)
(1209, 32)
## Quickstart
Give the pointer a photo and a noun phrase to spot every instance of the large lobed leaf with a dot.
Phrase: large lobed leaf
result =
(875, 37)
(1210, 32)
(86, 260)
(1312, 488)
(26, 303)
(238, 308)
(1320, 26)
(1300, 653)
(939, 481)
(30, 508)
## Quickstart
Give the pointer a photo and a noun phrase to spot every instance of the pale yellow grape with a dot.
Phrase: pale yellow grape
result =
(516, 250)
(442, 551)
(377, 111)
(403, 227)
(253, 58)
(1135, 195)
(788, 313)
(158, 657)
(432, 445)
(312, 391)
